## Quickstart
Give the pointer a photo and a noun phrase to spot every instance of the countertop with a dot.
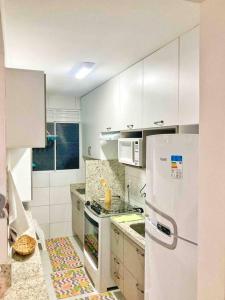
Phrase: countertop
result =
(127, 230)
(74, 187)
(27, 275)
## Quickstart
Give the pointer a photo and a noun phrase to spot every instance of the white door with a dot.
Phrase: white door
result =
(131, 86)
(170, 274)
(172, 180)
(189, 78)
(160, 102)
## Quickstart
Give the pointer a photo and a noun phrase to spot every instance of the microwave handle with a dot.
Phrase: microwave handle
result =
(132, 145)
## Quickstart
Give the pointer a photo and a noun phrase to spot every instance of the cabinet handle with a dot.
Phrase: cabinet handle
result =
(160, 123)
(109, 128)
(139, 252)
(116, 275)
(116, 231)
(116, 261)
(89, 150)
(131, 126)
(139, 288)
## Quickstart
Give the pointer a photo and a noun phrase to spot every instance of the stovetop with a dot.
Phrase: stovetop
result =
(117, 207)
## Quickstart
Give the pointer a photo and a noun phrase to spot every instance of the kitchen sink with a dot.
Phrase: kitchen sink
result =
(81, 191)
(139, 228)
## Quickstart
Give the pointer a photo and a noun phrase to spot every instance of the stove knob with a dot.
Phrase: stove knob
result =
(88, 203)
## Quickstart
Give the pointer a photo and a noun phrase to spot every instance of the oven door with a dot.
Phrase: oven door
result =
(91, 236)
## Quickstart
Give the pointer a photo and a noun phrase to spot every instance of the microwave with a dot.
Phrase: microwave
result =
(130, 151)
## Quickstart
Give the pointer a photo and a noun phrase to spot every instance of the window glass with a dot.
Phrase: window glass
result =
(67, 146)
(43, 158)
(62, 150)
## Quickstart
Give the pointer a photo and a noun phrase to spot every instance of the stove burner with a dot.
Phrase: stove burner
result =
(118, 207)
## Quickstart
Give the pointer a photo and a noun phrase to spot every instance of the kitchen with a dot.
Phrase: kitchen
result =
(117, 118)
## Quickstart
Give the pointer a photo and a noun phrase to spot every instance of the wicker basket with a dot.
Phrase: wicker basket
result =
(25, 245)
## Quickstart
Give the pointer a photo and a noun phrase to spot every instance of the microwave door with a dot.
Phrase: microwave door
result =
(126, 152)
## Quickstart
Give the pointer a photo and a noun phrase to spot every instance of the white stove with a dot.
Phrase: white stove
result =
(97, 234)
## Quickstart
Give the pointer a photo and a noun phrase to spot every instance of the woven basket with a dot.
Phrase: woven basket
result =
(25, 245)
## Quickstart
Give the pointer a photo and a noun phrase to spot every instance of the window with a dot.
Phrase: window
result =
(62, 149)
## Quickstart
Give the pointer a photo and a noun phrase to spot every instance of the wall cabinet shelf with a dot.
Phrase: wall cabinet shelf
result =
(25, 109)
(161, 90)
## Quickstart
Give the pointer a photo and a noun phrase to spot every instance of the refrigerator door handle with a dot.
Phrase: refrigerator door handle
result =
(164, 229)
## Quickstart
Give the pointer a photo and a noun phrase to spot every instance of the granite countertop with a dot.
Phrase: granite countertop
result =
(27, 275)
(74, 187)
(127, 230)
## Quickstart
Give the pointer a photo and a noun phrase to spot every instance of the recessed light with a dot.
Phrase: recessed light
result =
(84, 70)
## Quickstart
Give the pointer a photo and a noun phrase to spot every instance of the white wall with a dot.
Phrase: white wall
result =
(51, 204)
(136, 178)
(3, 224)
(2, 118)
(211, 278)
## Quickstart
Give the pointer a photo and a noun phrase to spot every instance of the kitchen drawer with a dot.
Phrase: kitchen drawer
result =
(134, 260)
(117, 242)
(117, 272)
(132, 289)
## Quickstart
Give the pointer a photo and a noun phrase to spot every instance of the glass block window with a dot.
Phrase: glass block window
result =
(62, 149)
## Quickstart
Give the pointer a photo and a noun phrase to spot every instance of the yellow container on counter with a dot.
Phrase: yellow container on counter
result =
(108, 198)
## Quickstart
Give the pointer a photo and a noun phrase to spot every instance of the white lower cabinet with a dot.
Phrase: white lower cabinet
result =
(160, 100)
(127, 265)
(77, 217)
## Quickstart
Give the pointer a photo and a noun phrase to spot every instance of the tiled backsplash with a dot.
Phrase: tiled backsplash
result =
(136, 178)
(111, 170)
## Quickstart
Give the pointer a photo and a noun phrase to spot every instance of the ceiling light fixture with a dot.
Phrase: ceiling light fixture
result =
(84, 70)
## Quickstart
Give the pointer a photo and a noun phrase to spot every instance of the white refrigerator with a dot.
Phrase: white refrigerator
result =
(171, 217)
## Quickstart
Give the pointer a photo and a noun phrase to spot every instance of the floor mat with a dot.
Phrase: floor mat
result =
(103, 296)
(69, 283)
(62, 254)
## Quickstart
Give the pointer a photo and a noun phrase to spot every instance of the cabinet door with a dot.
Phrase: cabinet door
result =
(25, 109)
(90, 125)
(80, 221)
(132, 290)
(109, 106)
(74, 219)
(117, 242)
(134, 260)
(160, 101)
(189, 78)
(117, 271)
(131, 86)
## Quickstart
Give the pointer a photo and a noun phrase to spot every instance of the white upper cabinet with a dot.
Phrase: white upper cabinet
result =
(189, 78)
(160, 101)
(131, 86)
(25, 109)
(109, 106)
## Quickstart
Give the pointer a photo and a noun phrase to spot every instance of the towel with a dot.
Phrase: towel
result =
(18, 222)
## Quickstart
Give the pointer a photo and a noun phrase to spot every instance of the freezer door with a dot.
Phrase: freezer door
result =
(170, 274)
(172, 180)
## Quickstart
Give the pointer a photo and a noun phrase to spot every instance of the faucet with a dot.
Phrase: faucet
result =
(143, 194)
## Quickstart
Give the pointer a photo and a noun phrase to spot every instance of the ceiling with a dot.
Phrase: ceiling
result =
(57, 35)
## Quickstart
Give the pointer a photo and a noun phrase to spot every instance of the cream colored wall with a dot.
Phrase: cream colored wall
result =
(2, 118)
(211, 280)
